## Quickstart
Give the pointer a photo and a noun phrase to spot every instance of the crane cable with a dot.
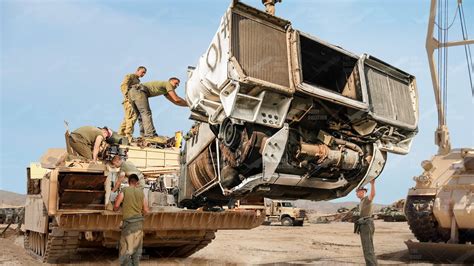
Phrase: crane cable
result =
(452, 22)
(445, 59)
(467, 47)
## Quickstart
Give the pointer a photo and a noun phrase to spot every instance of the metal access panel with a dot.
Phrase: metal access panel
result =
(392, 93)
(245, 73)
(81, 190)
(327, 71)
(259, 45)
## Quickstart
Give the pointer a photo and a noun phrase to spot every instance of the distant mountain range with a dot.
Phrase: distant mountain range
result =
(8, 199)
(325, 207)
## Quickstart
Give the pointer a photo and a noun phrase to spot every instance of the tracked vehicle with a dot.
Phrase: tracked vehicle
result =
(439, 207)
(286, 115)
(281, 114)
(68, 207)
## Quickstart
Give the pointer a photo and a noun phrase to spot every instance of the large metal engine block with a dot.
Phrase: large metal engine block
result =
(285, 115)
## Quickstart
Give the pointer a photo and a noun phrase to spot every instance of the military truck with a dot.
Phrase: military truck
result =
(276, 211)
(68, 207)
(279, 211)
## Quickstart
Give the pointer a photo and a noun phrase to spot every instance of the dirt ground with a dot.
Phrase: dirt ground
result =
(325, 244)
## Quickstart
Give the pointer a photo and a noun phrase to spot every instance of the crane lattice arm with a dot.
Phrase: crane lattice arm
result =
(442, 133)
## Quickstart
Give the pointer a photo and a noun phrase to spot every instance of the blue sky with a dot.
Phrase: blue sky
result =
(64, 60)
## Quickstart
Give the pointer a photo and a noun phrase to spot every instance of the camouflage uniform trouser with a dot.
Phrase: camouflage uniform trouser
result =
(131, 241)
(367, 229)
(141, 106)
(79, 145)
(126, 127)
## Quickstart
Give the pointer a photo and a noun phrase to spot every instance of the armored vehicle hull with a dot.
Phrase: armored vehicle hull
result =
(438, 207)
(68, 207)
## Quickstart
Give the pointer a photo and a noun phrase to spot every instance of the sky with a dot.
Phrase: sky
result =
(64, 60)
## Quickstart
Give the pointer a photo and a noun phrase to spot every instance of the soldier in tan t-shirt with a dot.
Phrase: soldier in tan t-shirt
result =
(127, 168)
(365, 224)
(139, 95)
(86, 141)
(134, 207)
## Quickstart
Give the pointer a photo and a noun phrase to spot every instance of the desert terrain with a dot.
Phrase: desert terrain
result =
(313, 243)
(323, 244)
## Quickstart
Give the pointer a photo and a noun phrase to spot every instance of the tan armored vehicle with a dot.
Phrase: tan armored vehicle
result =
(439, 207)
(279, 211)
(69, 206)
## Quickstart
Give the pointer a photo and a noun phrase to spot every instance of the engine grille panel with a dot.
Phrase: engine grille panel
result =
(389, 97)
(261, 50)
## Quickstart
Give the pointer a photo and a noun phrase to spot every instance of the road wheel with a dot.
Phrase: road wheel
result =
(423, 224)
(287, 221)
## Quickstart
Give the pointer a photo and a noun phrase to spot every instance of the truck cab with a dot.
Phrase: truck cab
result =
(284, 212)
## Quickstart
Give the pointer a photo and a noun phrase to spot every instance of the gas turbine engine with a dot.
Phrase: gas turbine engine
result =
(285, 115)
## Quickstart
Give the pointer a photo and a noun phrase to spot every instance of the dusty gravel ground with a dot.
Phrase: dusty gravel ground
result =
(320, 244)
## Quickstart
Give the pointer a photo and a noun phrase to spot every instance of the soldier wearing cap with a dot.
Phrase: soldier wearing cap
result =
(127, 168)
(365, 224)
(126, 127)
(139, 95)
(86, 140)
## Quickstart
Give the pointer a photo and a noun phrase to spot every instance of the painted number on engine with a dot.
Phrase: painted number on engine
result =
(214, 54)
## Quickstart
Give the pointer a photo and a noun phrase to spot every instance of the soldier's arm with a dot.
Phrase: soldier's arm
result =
(174, 98)
(125, 84)
(118, 201)
(95, 151)
(372, 190)
(119, 181)
(145, 206)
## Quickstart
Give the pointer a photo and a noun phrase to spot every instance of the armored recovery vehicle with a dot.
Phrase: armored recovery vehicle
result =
(439, 207)
(285, 115)
(281, 114)
(68, 206)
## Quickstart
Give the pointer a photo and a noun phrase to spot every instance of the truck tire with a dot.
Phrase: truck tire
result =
(287, 221)
(298, 223)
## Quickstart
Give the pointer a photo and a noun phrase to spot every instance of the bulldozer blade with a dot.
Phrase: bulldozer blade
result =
(441, 252)
(183, 220)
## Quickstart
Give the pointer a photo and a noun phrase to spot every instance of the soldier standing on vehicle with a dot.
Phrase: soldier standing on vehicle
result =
(365, 224)
(270, 6)
(86, 140)
(127, 168)
(139, 95)
(126, 127)
(134, 207)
